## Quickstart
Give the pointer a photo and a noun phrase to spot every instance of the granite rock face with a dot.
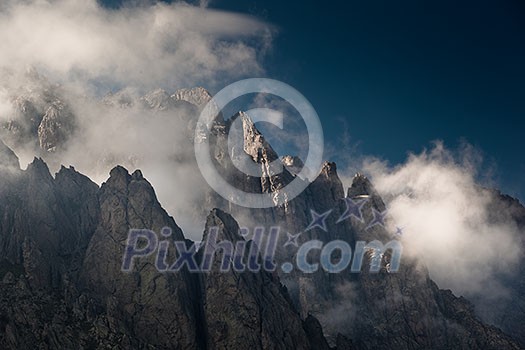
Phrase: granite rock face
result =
(245, 309)
(40, 233)
(65, 287)
(42, 118)
(56, 126)
(159, 309)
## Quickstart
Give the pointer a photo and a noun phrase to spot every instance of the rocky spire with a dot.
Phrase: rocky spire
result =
(246, 310)
(362, 188)
(56, 127)
(158, 309)
(255, 144)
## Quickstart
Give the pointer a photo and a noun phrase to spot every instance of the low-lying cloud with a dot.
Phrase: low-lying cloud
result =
(446, 219)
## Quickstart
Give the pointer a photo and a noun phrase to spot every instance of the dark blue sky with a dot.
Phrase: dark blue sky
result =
(404, 73)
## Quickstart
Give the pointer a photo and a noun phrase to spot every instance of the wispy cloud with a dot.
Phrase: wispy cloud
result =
(146, 46)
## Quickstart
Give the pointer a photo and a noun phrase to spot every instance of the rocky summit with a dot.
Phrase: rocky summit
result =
(63, 238)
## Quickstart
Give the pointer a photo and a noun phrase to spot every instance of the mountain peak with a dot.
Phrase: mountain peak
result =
(293, 164)
(38, 166)
(362, 186)
(118, 178)
(158, 99)
(255, 145)
(197, 96)
(118, 171)
(329, 169)
(137, 175)
(228, 227)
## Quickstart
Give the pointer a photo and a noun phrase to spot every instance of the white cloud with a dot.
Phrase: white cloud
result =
(148, 46)
(446, 221)
(6, 107)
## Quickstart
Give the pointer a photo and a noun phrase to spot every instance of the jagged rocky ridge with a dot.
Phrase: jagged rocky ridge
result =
(61, 247)
(61, 290)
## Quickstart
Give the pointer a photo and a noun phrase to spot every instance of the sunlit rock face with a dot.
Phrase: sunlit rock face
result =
(293, 164)
(56, 126)
(197, 96)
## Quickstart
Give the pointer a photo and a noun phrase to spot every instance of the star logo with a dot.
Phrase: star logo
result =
(399, 231)
(292, 239)
(318, 220)
(378, 219)
(353, 208)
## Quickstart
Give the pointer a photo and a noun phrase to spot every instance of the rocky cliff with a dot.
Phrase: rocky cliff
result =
(62, 241)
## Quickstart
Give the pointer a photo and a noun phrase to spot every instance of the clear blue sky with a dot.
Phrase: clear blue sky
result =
(404, 73)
